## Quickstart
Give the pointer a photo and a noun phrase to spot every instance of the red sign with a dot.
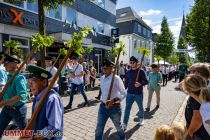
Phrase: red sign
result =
(17, 16)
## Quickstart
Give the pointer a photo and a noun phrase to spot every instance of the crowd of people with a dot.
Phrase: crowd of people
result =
(128, 83)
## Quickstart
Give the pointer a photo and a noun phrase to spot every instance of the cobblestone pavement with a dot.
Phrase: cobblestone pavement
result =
(80, 123)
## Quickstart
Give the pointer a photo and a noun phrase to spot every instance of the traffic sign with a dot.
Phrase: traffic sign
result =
(184, 50)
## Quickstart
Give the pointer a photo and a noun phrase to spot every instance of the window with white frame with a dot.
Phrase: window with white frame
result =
(139, 28)
(71, 15)
(33, 6)
(56, 13)
(144, 31)
(123, 14)
(23, 41)
(135, 43)
(18, 3)
(101, 28)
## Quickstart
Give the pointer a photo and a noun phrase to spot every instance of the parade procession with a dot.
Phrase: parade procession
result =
(89, 69)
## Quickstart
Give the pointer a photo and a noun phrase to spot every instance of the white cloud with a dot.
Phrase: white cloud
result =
(156, 29)
(148, 22)
(149, 12)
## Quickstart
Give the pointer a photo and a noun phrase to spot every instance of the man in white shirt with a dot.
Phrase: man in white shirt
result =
(110, 108)
(165, 71)
(52, 70)
(77, 81)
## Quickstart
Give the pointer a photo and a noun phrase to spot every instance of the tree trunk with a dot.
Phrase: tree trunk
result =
(42, 29)
(208, 56)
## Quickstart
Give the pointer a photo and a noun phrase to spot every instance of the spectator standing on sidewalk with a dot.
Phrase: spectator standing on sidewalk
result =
(122, 71)
(93, 74)
(155, 79)
(135, 91)
(164, 132)
(195, 128)
(113, 110)
(3, 73)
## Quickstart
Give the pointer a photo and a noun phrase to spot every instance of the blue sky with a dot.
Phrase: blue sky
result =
(152, 12)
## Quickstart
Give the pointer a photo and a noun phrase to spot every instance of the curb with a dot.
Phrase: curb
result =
(180, 114)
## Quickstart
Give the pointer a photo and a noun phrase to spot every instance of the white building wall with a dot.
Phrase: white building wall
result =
(110, 6)
(129, 41)
(84, 20)
(17, 31)
(0, 42)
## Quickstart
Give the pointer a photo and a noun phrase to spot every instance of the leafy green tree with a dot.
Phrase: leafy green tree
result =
(182, 56)
(198, 29)
(141, 49)
(11, 44)
(173, 59)
(165, 41)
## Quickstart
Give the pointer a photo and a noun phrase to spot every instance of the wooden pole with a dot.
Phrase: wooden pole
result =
(55, 62)
(142, 59)
(32, 121)
(16, 72)
(112, 82)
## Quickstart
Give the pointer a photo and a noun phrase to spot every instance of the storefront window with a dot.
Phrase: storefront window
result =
(56, 13)
(70, 15)
(33, 6)
(24, 42)
(16, 3)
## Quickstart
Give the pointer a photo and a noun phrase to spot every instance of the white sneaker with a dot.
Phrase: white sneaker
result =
(141, 121)
(124, 127)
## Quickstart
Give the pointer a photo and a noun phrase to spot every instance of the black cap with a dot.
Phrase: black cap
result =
(74, 55)
(154, 65)
(9, 59)
(106, 63)
(133, 59)
(38, 72)
(48, 58)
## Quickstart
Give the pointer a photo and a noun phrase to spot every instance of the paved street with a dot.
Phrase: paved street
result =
(80, 123)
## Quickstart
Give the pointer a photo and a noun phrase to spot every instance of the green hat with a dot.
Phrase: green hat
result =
(133, 59)
(106, 63)
(154, 65)
(38, 72)
(9, 59)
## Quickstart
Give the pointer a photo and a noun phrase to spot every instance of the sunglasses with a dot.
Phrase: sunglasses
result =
(132, 62)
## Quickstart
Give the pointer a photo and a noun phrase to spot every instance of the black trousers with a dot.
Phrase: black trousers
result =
(165, 80)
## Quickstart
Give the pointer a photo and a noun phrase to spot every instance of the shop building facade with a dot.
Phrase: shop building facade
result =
(18, 21)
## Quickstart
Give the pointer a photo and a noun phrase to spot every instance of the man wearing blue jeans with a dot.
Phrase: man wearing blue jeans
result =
(135, 91)
(77, 81)
(14, 99)
(110, 108)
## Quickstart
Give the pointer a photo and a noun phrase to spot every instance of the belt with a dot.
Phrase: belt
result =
(14, 107)
(113, 105)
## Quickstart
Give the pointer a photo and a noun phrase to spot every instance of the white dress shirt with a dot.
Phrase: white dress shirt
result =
(118, 89)
(79, 69)
(53, 71)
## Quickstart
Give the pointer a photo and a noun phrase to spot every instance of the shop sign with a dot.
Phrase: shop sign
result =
(11, 15)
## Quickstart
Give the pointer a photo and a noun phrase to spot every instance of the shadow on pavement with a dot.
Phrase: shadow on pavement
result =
(114, 136)
(130, 132)
(79, 106)
(149, 115)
